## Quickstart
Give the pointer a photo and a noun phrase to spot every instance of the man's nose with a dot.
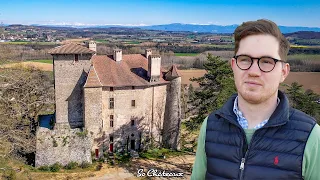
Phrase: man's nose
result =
(254, 70)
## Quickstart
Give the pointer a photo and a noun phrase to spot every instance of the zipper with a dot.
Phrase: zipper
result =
(243, 160)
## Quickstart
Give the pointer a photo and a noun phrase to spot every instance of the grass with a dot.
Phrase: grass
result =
(186, 54)
(160, 153)
(48, 61)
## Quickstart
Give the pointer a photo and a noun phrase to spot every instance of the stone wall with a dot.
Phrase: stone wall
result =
(70, 77)
(93, 111)
(171, 127)
(147, 116)
(62, 146)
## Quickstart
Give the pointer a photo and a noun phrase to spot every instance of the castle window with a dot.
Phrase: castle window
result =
(111, 88)
(133, 103)
(111, 138)
(76, 57)
(132, 122)
(111, 123)
(111, 103)
(111, 120)
(132, 87)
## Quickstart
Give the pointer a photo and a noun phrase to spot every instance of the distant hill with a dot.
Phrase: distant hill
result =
(189, 27)
(218, 28)
(304, 35)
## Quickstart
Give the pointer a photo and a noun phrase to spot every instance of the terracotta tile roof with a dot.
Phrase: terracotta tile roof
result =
(130, 71)
(93, 79)
(172, 73)
(71, 49)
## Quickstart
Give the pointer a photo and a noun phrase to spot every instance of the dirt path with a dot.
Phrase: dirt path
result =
(127, 172)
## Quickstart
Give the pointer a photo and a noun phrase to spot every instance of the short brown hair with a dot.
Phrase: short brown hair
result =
(262, 26)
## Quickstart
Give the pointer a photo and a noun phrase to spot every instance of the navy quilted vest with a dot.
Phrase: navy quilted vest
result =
(275, 151)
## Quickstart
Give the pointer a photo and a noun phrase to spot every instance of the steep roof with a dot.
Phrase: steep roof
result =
(71, 49)
(130, 71)
(172, 73)
(93, 79)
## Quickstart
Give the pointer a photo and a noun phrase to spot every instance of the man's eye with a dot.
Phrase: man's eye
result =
(245, 60)
(267, 61)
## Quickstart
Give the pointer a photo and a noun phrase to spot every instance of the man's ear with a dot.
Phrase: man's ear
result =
(285, 71)
(232, 62)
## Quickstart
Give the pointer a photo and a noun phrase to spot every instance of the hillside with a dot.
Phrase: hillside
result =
(304, 35)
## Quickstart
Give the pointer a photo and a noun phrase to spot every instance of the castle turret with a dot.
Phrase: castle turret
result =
(172, 116)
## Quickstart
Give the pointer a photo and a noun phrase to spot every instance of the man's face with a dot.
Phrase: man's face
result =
(254, 85)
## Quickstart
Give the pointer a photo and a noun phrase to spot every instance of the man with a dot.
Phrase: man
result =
(256, 135)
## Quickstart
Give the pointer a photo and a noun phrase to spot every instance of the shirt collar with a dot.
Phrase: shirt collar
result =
(242, 120)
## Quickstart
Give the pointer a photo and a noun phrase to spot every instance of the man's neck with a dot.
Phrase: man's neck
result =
(256, 113)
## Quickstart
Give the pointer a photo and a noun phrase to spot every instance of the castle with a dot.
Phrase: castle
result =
(109, 103)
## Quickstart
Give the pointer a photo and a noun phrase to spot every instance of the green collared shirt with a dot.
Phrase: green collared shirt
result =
(310, 163)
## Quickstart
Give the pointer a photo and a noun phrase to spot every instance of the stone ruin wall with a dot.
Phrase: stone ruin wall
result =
(62, 146)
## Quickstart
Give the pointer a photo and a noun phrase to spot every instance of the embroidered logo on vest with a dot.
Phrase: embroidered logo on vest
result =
(276, 160)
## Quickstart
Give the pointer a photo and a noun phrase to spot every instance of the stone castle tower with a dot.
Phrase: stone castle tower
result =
(71, 65)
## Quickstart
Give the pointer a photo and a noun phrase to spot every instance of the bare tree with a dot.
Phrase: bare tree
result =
(25, 93)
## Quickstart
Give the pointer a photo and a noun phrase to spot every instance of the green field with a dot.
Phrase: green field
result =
(313, 57)
(186, 54)
(132, 42)
(228, 46)
(102, 41)
(49, 61)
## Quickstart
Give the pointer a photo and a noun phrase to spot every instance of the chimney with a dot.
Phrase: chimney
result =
(154, 65)
(92, 46)
(117, 55)
(148, 52)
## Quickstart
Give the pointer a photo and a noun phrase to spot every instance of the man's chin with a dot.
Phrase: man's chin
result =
(252, 97)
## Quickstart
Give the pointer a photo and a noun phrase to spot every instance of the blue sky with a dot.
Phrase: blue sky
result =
(285, 12)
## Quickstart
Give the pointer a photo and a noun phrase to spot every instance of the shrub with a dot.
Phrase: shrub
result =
(99, 167)
(71, 165)
(9, 174)
(82, 134)
(123, 158)
(84, 165)
(44, 168)
(55, 167)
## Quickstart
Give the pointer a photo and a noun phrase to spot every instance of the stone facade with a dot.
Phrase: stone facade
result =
(136, 112)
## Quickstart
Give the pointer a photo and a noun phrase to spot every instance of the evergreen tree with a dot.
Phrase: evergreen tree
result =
(216, 86)
(305, 101)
